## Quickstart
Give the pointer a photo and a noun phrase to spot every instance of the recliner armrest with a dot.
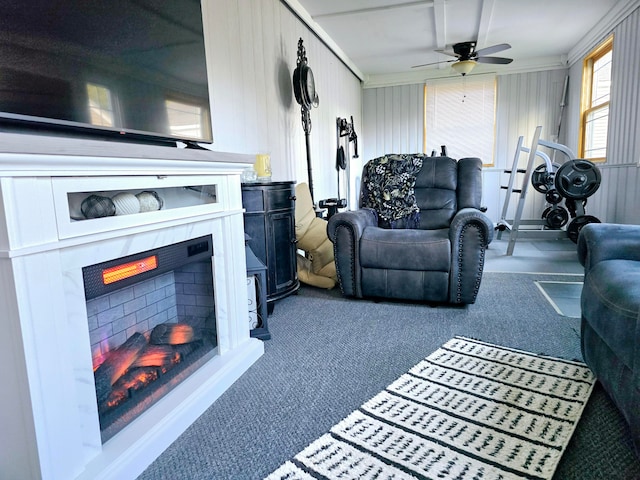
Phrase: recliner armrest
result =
(608, 241)
(469, 233)
(467, 216)
(356, 220)
(345, 230)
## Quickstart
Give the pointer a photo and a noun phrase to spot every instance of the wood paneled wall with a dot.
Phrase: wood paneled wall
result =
(251, 53)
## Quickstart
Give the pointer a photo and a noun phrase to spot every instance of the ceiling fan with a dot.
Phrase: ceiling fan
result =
(467, 56)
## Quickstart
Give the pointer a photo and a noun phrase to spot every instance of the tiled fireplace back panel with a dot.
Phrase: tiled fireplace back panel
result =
(116, 316)
(194, 293)
(184, 294)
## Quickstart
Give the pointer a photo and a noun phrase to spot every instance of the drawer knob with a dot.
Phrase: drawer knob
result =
(292, 197)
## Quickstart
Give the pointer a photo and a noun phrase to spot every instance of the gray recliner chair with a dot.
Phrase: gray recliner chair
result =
(419, 233)
(610, 304)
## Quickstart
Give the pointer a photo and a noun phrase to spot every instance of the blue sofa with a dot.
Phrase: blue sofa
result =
(610, 305)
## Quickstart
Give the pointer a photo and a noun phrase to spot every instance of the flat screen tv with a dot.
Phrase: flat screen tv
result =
(126, 69)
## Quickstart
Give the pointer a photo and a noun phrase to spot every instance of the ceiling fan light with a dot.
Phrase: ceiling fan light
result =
(464, 66)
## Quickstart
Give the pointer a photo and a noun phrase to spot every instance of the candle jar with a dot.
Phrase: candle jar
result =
(263, 167)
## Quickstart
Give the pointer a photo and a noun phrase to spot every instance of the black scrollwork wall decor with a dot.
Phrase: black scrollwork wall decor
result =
(304, 89)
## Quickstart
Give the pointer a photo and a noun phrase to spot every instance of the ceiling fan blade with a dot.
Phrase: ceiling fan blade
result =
(433, 63)
(495, 60)
(451, 53)
(494, 49)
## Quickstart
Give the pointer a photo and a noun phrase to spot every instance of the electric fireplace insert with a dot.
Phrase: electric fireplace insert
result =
(152, 323)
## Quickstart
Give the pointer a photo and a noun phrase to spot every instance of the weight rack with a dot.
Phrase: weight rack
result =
(514, 225)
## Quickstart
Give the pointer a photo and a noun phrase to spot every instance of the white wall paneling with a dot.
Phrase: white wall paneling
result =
(252, 51)
(525, 101)
(251, 54)
(393, 120)
(617, 199)
(393, 123)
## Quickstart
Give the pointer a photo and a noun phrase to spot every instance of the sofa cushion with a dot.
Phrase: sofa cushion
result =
(419, 250)
(610, 304)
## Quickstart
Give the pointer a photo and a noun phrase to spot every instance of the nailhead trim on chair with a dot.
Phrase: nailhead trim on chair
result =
(352, 255)
(480, 263)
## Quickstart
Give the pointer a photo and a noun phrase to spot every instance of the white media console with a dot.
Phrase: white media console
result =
(48, 410)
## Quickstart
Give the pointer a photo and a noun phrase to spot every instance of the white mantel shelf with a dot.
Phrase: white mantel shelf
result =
(29, 155)
(49, 428)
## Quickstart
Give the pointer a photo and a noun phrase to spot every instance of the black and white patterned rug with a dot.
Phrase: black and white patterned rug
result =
(469, 410)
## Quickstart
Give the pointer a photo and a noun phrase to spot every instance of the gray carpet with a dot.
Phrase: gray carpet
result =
(329, 354)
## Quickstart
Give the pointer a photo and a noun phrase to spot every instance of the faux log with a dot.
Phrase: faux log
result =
(157, 356)
(187, 348)
(173, 334)
(117, 363)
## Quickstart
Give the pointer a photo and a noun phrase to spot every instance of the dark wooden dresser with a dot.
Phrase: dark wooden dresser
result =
(269, 220)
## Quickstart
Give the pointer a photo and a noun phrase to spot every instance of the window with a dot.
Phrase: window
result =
(101, 111)
(594, 111)
(460, 114)
(185, 119)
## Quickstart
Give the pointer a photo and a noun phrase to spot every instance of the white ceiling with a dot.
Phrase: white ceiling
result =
(388, 37)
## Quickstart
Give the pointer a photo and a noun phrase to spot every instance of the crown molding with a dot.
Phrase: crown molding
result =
(604, 27)
(304, 16)
(421, 76)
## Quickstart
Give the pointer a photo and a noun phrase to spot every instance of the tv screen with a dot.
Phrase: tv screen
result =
(124, 68)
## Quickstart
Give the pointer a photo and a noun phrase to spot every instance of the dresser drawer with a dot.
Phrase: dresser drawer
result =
(268, 197)
(281, 199)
